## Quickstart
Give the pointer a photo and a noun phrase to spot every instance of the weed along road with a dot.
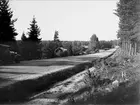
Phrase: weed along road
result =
(32, 76)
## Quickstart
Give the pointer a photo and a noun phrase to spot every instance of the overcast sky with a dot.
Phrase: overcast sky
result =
(75, 20)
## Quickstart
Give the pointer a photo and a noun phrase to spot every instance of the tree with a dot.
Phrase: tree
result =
(126, 11)
(24, 46)
(94, 43)
(128, 33)
(76, 47)
(56, 38)
(106, 44)
(23, 37)
(7, 30)
(57, 42)
(68, 45)
(34, 31)
(34, 47)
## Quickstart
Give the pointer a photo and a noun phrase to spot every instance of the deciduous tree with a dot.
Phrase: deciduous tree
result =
(128, 33)
(94, 43)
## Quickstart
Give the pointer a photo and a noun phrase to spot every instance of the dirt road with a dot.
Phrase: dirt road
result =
(36, 68)
(21, 81)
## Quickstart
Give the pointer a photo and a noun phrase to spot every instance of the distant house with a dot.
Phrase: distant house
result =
(60, 52)
(84, 47)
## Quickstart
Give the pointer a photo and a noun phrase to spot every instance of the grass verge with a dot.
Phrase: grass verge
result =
(103, 92)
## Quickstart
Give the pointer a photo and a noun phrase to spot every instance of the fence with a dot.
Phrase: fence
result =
(130, 47)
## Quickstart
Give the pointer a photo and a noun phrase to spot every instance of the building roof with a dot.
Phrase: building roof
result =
(60, 48)
(84, 46)
(3, 45)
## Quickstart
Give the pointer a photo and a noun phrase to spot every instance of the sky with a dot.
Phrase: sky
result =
(74, 20)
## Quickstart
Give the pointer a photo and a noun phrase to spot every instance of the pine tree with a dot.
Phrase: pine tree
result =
(7, 30)
(34, 31)
(24, 46)
(23, 37)
(56, 40)
(34, 40)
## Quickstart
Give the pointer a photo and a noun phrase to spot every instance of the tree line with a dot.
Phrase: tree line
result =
(128, 12)
(31, 45)
(76, 47)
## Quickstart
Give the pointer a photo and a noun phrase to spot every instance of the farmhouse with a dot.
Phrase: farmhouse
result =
(60, 51)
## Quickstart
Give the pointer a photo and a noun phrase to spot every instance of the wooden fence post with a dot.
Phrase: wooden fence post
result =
(130, 49)
(135, 48)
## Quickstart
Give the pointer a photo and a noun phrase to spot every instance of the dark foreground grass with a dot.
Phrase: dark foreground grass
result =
(22, 90)
(125, 94)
